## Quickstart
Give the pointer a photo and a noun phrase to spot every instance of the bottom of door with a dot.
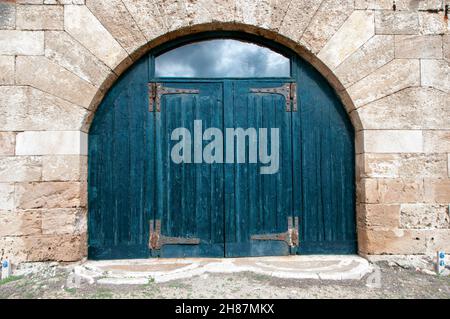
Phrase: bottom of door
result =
(257, 249)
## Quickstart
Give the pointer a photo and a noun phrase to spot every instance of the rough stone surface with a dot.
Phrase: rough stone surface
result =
(6, 70)
(64, 168)
(400, 141)
(64, 50)
(418, 47)
(437, 190)
(297, 18)
(391, 191)
(48, 195)
(51, 143)
(6, 196)
(422, 216)
(26, 108)
(95, 38)
(33, 17)
(379, 215)
(7, 143)
(7, 15)
(394, 76)
(20, 169)
(437, 141)
(356, 31)
(397, 22)
(411, 108)
(147, 16)
(115, 17)
(446, 47)
(41, 73)
(64, 221)
(405, 165)
(375, 53)
(327, 20)
(436, 74)
(14, 42)
(22, 223)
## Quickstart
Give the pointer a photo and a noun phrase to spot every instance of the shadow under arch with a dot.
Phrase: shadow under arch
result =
(319, 76)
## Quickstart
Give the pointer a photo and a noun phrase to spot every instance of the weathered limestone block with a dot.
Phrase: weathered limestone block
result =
(64, 221)
(95, 38)
(391, 191)
(400, 4)
(411, 108)
(376, 241)
(420, 216)
(61, 48)
(375, 53)
(26, 108)
(327, 20)
(436, 73)
(437, 190)
(21, 223)
(29, 1)
(7, 15)
(405, 165)
(64, 1)
(446, 47)
(64, 168)
(115, 17)
(433, 23)
(51, 143)
(356, 31)
(397, 22)
(297, 18)
(14, 249)
(436, 141)
(7, 143)
(394, 76)
(6, 196)
(6, 70)
(418, 47)
(148, 17)
(268, 14)
(55, 247)
(39, 17)
(20, 168)
(48, 195)
(393, 141)
(13, 42)
(379, 215)
(439, 241)
(47, 76)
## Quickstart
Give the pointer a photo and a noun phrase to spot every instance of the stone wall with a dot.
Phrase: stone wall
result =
(391, 69)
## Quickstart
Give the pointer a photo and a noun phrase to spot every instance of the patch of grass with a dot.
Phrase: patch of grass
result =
(102, 294)
(70, 290)
(10, 279)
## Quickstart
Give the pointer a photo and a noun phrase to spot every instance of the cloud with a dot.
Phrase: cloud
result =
(222, 58)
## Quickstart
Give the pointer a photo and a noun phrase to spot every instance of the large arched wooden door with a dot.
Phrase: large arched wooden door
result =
(143, 203)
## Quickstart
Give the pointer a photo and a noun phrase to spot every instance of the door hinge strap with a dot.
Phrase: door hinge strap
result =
(290, 236)
(288, 90)
(157, 90)
(156, 240)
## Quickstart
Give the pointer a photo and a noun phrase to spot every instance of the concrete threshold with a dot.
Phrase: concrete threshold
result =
(141, 271)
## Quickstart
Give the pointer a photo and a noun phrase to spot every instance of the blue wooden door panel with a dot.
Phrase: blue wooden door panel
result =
(119, 178)
(323, 142)
(190, 195)
(258, 203)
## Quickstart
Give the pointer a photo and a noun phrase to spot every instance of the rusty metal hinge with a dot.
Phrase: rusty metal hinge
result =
(156, 90)
(288, 90)
(156, 240)
(291, 236)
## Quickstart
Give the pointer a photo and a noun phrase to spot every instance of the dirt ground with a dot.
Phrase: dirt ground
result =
(395, 282)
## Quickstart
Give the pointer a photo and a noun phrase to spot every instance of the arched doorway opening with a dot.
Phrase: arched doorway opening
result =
(221, 145)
